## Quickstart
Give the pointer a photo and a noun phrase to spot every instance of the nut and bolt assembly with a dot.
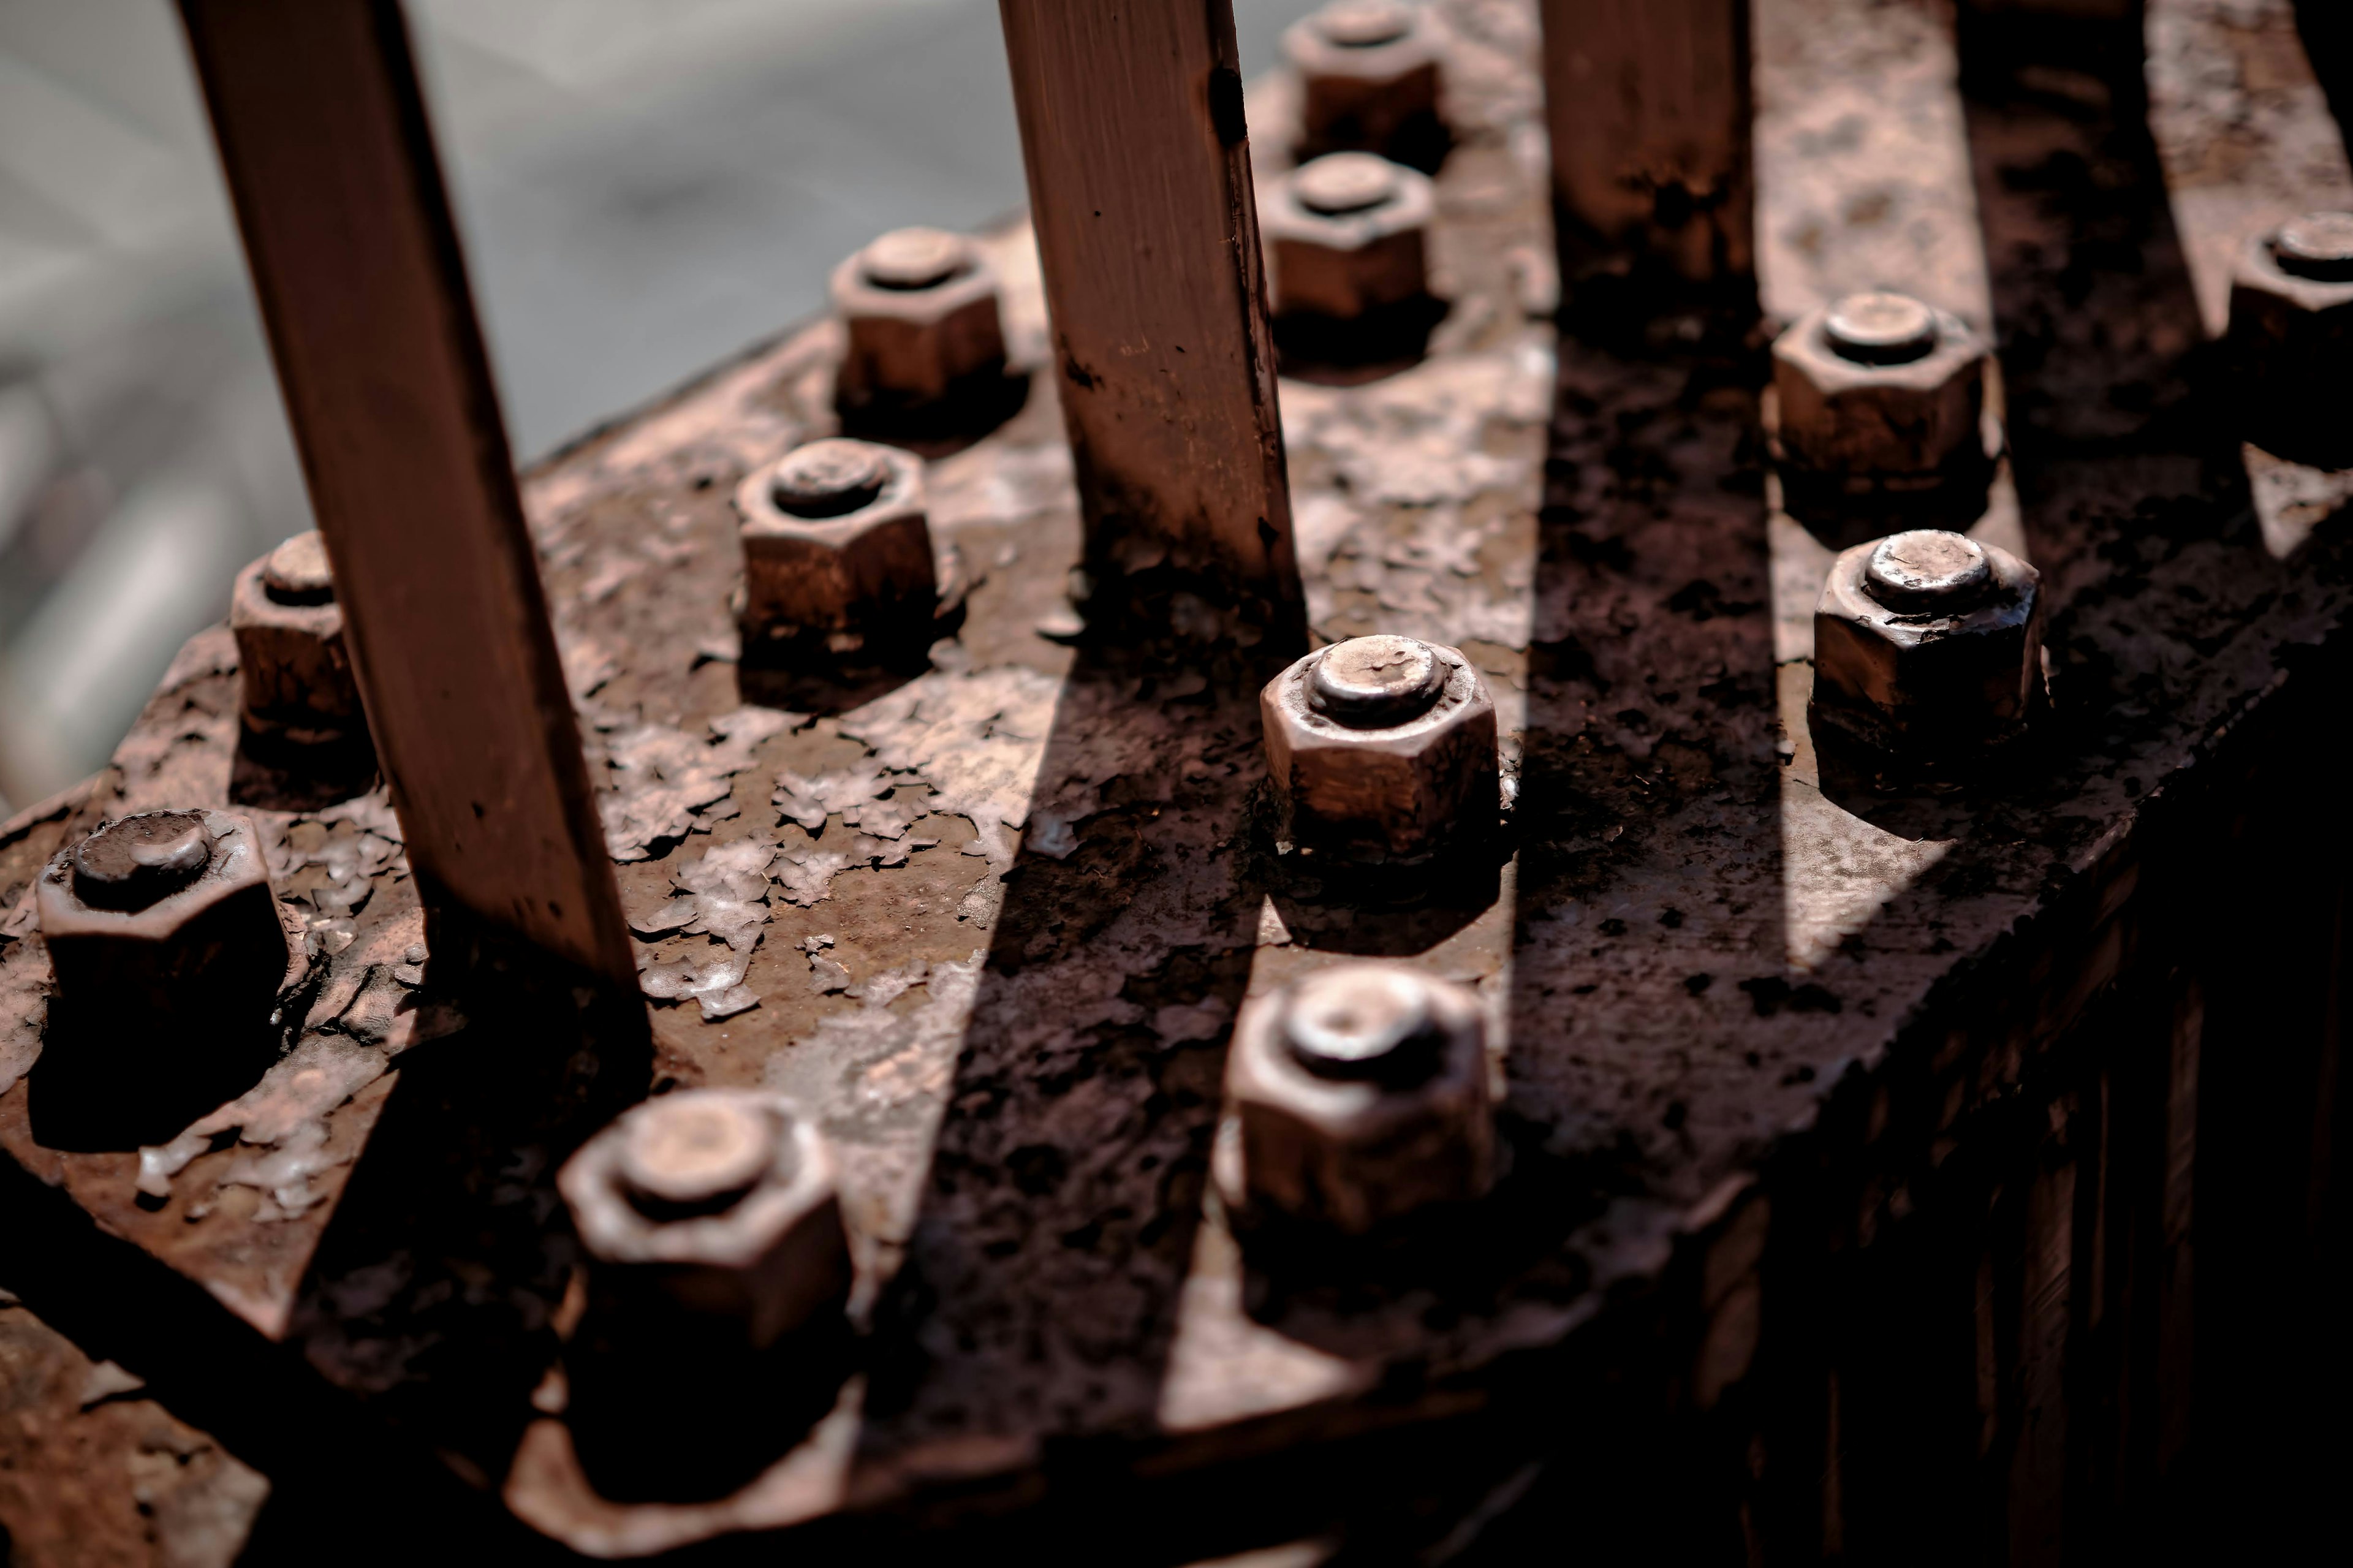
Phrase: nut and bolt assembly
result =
(1349, 235)
(717, 1271)
(1882, 415)
(2291, 332)
(1369, 74)
(165, 915)
(1927, 647)
(1361, 1096)
(295, 688)
(926, 336)
(1380, 749)
(838, 559)
(719, 1204)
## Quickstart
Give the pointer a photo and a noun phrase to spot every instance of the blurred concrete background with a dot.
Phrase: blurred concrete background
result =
(645, 186)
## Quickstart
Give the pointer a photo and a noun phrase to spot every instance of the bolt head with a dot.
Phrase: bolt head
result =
(1369, 78)
(1359, 1096)
(829, 478)
(130, 864)
(919, 305)
(1881, 328)
(912, 258)
(2316, 245)
(2291, 329)
(167, 914)
(1927, 572)
(1348, 235)
(692, 1153)
(1364, 24)
(694, 1311)
(1878, 393)
(1927, 647)
(1402, 763)
(1365, 1021)
(1342, 182)
(1375, 682)
(296, 573)
(768, 1256)
(837, 557)
(295, 687)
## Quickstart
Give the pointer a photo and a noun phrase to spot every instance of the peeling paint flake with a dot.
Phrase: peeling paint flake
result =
(663, 776)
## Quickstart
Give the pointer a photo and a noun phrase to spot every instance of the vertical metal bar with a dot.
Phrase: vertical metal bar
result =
(1147, 227)
(347, 227)
(1648, 105)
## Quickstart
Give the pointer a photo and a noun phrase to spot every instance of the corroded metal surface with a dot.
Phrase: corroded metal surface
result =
(2247, 142)
(245, 1176)
(92, 1470)
(993, 922)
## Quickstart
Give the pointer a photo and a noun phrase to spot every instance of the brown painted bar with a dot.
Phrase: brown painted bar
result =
(355, 258)
(1147, 229)
(1648, 103)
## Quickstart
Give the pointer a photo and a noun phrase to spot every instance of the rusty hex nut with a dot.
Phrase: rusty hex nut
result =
(837, 550)
(1927, 643)
(714, 1208)
(1369, 74)
(1380, 749)
(922, 308)
(1349, 234)
(711, 1329)
(2290, 337)
(166, 914)
(1882, 398)
(294, 677)
(1361, 1096)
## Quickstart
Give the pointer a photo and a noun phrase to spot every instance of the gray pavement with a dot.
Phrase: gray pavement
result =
(644, 185)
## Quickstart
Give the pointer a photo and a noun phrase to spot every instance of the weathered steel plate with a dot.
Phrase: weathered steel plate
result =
(1015, 902)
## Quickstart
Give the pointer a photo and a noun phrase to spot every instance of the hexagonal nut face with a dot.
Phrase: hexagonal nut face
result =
(1367, 73)
(717, 1208)
(294, 675)
(1927, 682)
(1390, 793)
(213, 946)
(860, 582)
(1356, 1152)
(910, 347)
(2289, 339)
(1844, 417)
(1348, 263)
